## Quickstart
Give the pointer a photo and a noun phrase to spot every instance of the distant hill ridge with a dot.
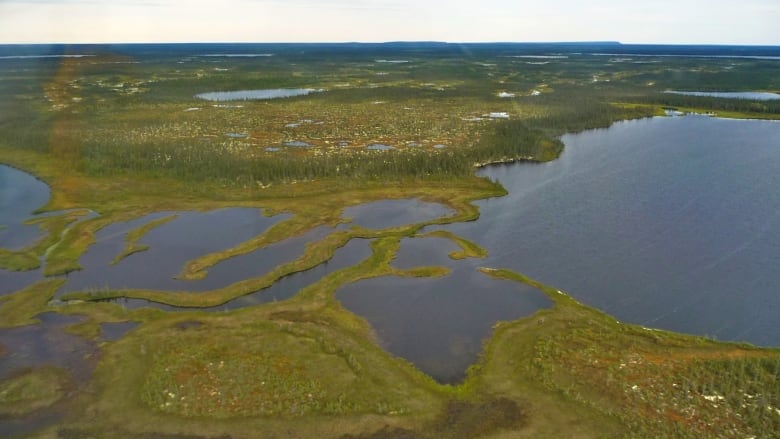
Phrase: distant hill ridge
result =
(389, 48)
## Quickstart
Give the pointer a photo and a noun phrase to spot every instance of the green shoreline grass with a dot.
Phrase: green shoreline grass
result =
(133, 236)
(559, 371)
(556, 373)
(20, 308)
(468, 249)
(567, 371)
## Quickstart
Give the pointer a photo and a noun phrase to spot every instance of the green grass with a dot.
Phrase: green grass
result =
(31, 391)
(20, 308)
(654, 383)
(469, 249)
(18, 261)
(29, 258)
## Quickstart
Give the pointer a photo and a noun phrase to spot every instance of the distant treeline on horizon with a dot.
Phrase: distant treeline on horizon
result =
(399, 48)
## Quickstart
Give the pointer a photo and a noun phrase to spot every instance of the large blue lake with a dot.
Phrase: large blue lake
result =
(672, 223)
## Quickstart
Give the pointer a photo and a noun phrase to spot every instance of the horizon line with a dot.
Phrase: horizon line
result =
(563, 42)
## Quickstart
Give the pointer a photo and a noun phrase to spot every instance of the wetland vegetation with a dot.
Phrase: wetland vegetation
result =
(129, 150)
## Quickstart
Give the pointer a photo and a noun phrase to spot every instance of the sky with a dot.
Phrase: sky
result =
(627, 21)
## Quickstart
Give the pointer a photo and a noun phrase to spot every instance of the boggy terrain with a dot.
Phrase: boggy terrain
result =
(121, 134)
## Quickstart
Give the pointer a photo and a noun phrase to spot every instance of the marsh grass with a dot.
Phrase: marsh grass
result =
(20, 308)
(469, 249)
(133, 236)
(656, 383)
(52, 229)
(32, 390)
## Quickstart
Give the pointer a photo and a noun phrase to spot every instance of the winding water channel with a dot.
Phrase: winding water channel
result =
(671, 223)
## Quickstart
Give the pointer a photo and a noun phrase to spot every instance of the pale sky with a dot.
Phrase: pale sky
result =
(628, 21)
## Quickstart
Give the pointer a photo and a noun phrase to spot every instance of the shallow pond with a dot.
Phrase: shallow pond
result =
(253, 95)
(439, 324)
(380, 147)
(752, 95)
(672, 223)
(393, 213)
(45, 344)
(297, 144)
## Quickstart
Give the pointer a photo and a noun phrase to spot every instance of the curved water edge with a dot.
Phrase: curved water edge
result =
(749, 95)
(164, 249)
(439, 324)
(46, 345)
(622, 221)
(254, 95)
(665, 222)
(384, 214)
(355, 251)
(21, 195)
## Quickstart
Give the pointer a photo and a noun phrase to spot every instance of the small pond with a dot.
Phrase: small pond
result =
(45, 344)
(380, 147)
(439, 324)
(297, 144)
(751, 95)
(393, 213)
(253, 95)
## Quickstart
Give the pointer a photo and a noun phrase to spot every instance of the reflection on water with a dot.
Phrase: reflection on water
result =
(44, 344)
(191, 235)
(379, 147)
(752, 95)
(439, 324)
(20, 195)
(12, 281)
(351, 254)
(251, 95)
(297, 144)
(393, 213)
(668, 222)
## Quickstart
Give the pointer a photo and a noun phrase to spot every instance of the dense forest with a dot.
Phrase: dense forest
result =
(111, 115)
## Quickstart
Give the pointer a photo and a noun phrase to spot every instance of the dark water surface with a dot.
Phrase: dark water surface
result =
(439, 324)
(172, 245)
(351, 254)
(45, 344)
(20, 195)
(384, 214)
(672, 223)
